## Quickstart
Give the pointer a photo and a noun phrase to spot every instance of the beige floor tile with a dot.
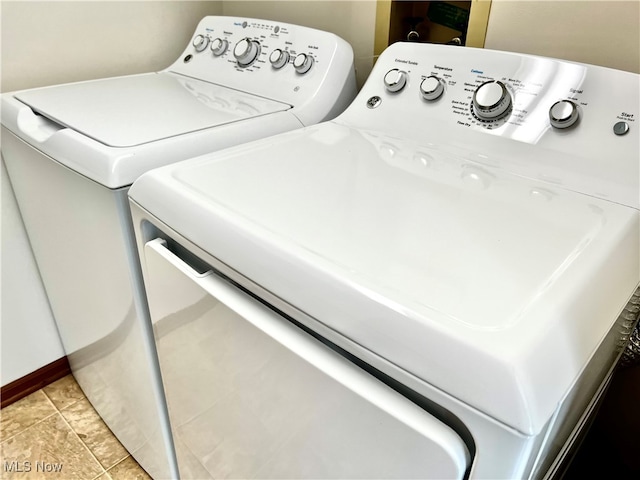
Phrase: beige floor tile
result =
(24, 413)
(45, 447)
(64, 392)
(95, 434)
(128, 469)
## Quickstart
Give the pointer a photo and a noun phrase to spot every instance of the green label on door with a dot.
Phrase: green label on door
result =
(448, 15)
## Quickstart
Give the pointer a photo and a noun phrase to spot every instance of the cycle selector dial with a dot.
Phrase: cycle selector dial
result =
(279, 58)
(246, 51)
(200, 42)
(395, 80)
(303, 63)
(219, 46)
(563, 114)
(491, 100)
(431, 88)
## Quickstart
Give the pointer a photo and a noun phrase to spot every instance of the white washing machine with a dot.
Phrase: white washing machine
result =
(436, 284)
(73, 150)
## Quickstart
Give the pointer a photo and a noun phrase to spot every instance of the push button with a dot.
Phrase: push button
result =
(621, 128)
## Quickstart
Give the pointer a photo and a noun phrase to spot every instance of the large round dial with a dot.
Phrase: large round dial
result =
(395, 80)
(303, 63)
(279, 58)
(491, 100)
(431, 88)
(246, 51)
(219, 46)
(200, 42)
(563, 114)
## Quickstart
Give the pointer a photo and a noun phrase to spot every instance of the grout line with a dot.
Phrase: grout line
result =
(119, 462)
(105, 468)
(4, 440)
(83, 444)
(66, 407)
(55, 406)
(106, 472)
(49, 398)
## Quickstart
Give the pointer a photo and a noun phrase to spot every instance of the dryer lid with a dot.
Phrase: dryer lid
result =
(494, 288)
(137, 109)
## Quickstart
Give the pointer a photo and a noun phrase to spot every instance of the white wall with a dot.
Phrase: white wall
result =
(46, 43)
(601, 32)
(353, 21)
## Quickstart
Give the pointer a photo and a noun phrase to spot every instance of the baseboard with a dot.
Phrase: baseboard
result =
(14, 391)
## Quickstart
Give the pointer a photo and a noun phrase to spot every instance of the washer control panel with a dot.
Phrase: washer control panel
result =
(243, 42)
(490, 90)
(553, 119)
(273, 59)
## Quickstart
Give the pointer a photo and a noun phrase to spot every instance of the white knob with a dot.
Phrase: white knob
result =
(431, 88)
(200, 42)
(303, 63)
(563, 114)
(246, 51)
(395, 80)
(279, 58)
(219, 46)
(491, 100)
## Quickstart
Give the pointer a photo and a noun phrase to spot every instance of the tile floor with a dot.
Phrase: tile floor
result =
(56, 428)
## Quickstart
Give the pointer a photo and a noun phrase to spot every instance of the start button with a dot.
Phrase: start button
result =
(621, 128)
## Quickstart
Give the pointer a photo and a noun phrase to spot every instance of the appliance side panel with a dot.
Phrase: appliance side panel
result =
(29, 336)
(76, 234)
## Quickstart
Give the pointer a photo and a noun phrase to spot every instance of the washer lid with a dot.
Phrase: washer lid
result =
(492, 287)
(137, 109)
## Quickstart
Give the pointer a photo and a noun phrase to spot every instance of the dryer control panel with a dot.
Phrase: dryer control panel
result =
(288, 63)
(566, 123)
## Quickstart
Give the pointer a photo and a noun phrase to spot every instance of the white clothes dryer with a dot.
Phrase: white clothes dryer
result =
(72, 151)
(436, 284)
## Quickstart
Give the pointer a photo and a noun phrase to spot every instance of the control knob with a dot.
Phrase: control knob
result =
(431, 88)
(200, 42)
(395, 80)
(491, 100)
(219, 46)
(246, 51)
(303, 63)
(563, 114)
(279, 58)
